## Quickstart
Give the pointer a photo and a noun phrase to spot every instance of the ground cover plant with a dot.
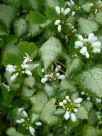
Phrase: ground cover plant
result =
(50, 68)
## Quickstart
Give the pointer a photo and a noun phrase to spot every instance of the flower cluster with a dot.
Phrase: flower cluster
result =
(86, 95)
(71, 107)
(25, 121)
(64, 11)
(88, 45)
(24, 68)
(49, 76)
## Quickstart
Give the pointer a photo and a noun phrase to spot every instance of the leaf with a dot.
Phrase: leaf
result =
(53, 3)
(27, 92)
(91, 81)
(99, 17)
(3, 29)
(68, 85)
(38, 101)
(88, 105)
(82, 113)
(87, 6)
(12, 131)
(11, 58)
(29, 81)
(47, 114)
(20, 26)
(27, 47)
(35, 17)
(7, 14)
(34, 29)
(50, 51)
(91, 131)
(74, 66)
(86, 26)
(51, 13)
(49, 90)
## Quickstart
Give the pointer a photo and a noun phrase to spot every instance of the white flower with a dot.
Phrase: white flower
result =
(43, 80)
(61, 77)
(73, 13)
(67, 11)
(14, 76)
(57, 22)
(58, 68)
(62, 10)
(98, 100)
(32, 130)
(73, 117)
(20, 121)
(70, 107)
(65, 101)
(58, 11)
(42, 70)
(67, 115)
(96, 44)
(10, 68)
(20, 109)
(71, 3)
(24, 113)
(78, 100)
(67, 97)
(75, 110)
(28, 72)
(84, 52)
(96, 50)
(27, 59)
(78, 44)
(38, 123)
(59, 28)
(24, 66)
(92, 38)
(80, 37)
(57, 74)
(61, 104)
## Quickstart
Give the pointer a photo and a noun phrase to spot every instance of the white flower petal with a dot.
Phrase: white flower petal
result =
(58, 11)
(96, 44)
(59, 28)
(62, 10)
(24, 113)
(80, 37)
(67, 11)
(92, 38)
(64, 101)
(57, 22)
(67, 97)
(78, 100)
(96, 50)
(13, 77)
(87, 55)
(83, 51)
(61, 77)
(29, 73)
(78, 44)
(38, 123)
(32, 130)
(24, 66)
(27, 59)
(57, 74)
(43, 80)
(61, 104)
(20, 121)
(67, 115)
(10, 68)
(73, 117)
